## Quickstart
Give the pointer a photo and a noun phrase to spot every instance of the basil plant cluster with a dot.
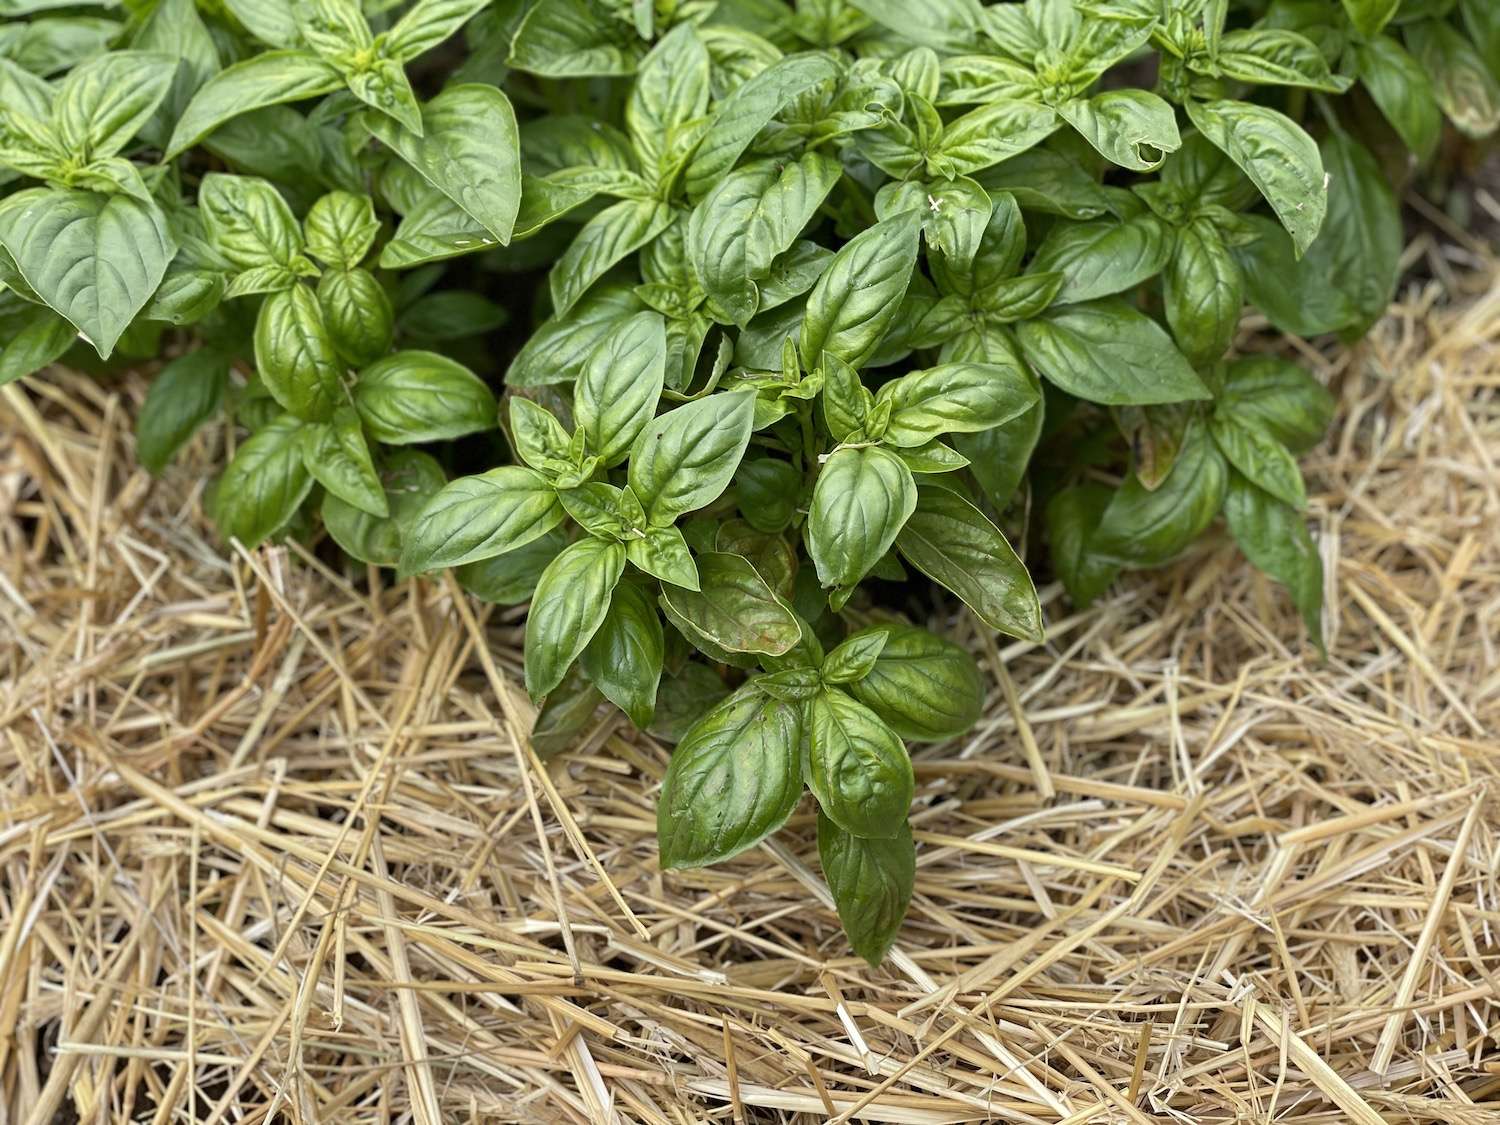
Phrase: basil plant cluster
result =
(723, 331)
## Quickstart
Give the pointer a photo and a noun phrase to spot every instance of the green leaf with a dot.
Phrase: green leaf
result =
(571, 602)
(1276, 57)
(1369, 16)
(954, 544)
(685, 458)
(1280, 159)
(538, 437)
(104, 102)
(428, 23)
(249, 222)
(1275, 539)
(664, 554)
(1260, 458)
(1144, 527)
(1204, 293)
(671, 89)
(341, 229)
(478, 517)
(1397, 84)
(1363, 237)
(1108, 352)
(469, 150)
(41, 339)
(574, 39)
(857, 298)
(1073, 515)
(511, 578)
(96, 259)
(410, 478)
(295, 355)
(768, 493)
(556, 351)
(858, 769)
(1049, 180)
(954, 398)
(620, 385)
(862, 498)
(985, 136)
(1299, 297)
(603, 243)
(746, 111)
(272, 78)
(871, 881)
(264, 485)
(1280, 397)
(357, 314)
(270, 21)
(183, 395)
(751, 217)
(415, 396)
(337, 457)
(683, 699)
(624, 660)
(1104, 257)
(957, 213)
(734, 778)
(733, 609)
(1132, 128)
(951, 26)
(854, 658)
(923, 687)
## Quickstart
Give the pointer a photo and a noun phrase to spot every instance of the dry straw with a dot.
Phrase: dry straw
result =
(274, 850)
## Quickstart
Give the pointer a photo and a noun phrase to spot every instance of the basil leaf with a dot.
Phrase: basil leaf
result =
(337, 457)
(1203, 291)
(96, 259)
(1260, 458)
(751, 217)
(946, 25)
(357, 314)
(733, 609)
(664, 554)
(624, 660)
(428, 23)
(1360, 248)
(1465, 88)
(478, 517)
(768, 493)
(858, 769)
(1148, 528)
(182, 396)
(415, 396)
(264, 485)
(556, 351)
(573, 39)
(468, 149)
(1369, 16)
(985, 136)
(1073, 515)
(105, 101)
(409, 478)
(1277, 155)
(1104, 257)
(746, 111)
(1276, 57)
(862, 498)
(670, 90)
(511, 578)
(341, 228)
(249, 222)
(923, 687)
(1107, 352)
(620, 385)
(571, 601)
(295, 355)
(857, 298)
(538, 437)
(603, 242)
(683, 699)
(1275, 539)
(854, 658)
(272, 78)
(951, 541)
(954, 398)
(1397, 84)
(734, 778)
(871, 881)
(686, 457)
(1280, 397)
(1298, 296)
(1132, 128)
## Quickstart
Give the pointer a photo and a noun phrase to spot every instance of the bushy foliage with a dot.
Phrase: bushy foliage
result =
(797, 300)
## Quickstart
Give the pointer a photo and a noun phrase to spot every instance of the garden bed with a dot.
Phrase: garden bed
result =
(274, 847)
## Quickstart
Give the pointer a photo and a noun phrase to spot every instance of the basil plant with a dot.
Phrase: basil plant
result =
(735, 336)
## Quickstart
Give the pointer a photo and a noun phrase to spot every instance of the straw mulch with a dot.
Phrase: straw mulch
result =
(274, 848)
